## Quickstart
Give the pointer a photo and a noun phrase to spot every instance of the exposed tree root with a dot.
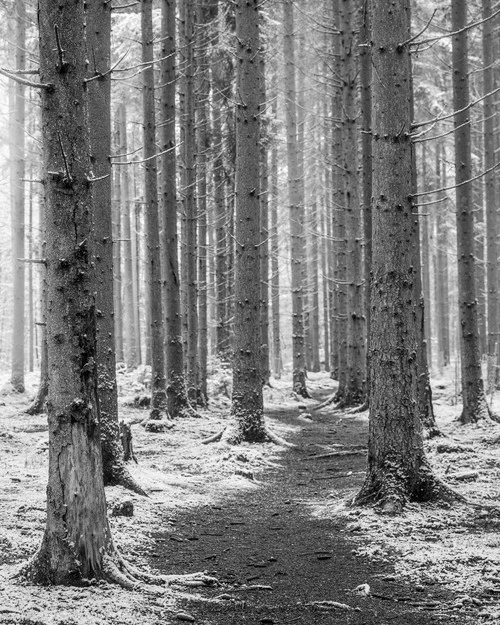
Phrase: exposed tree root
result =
(122, 477)
(327, 402)
(233, 436)
(364, 406)
(390, 491)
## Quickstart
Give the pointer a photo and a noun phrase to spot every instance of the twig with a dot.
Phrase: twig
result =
(60, 51)
(27, 83)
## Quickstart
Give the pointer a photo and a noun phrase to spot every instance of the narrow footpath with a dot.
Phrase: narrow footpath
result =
(278, 563)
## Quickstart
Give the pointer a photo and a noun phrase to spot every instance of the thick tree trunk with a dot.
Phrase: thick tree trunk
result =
(17, 166)
(296, 208)
(247, 413)
(158, 382)
(397, 466)
(177, 401)
(474, 400)
(77, 540)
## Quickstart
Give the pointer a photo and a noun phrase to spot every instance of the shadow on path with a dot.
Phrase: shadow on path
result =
(268, 538)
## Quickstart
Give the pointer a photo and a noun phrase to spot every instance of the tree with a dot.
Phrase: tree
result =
(296, 207)
(158, 381)
(17, 102)
(99, 98)
(177, 401)
(490, 189)
(247, 410)
(474, 399)
(397, 467)
(77, 542)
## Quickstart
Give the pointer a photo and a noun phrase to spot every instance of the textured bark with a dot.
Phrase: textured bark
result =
(247, 413)
(117, 278)
(355, 348)
(99, 98)
(17, 169)
(177, 401)
(264, 233)
(188, 142)
(314, 296)
(127, 282)
(203, 145)
(441, 278)
(397, 466)
(365, 74)
(296, 209)
(275, 272)
(490, 190)
(77, 540)
(158, 382)
(474, 400)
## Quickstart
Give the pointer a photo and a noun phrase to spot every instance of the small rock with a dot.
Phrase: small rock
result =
(123, 508)
(184, 616)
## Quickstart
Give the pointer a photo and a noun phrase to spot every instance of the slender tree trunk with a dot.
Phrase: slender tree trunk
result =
(17, 164)
(275, 268)
(474, 400)
(314, 298)
(442, 288)
(490, 190)
(158, 382)
(365, 72)
(203, 145)
(130, 336)
(99, 98)
(188, 141)
(397, 466)
(355, 353)
(296, 209)
(117, 277)
(264, 234)
(177, 401)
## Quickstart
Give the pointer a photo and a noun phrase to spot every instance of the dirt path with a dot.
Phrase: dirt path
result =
(269, 538)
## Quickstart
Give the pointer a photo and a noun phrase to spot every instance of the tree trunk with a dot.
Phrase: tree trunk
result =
(275, 268)
(397, 466)
(474, 400)
(77, 541)
(264, 233)
(490, 191)
(296, 208)
(247, 412)
(203, 146)
(17, 166)
(188, 141)
(177, 401)
(442, 296)
(99, 100)
(158, 382)
(355, 353)
(129, 332)
(365, 73)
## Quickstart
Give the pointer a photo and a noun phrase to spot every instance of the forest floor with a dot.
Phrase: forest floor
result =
(272, 524)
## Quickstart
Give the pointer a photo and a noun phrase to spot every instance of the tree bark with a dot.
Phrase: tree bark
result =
(296, 209)
(77, 541)
(177, 400)
(398, 470)
(17, 165)
(99, 99)
(475, 407)
(158, 381)
(247, 411)
(490, 190)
